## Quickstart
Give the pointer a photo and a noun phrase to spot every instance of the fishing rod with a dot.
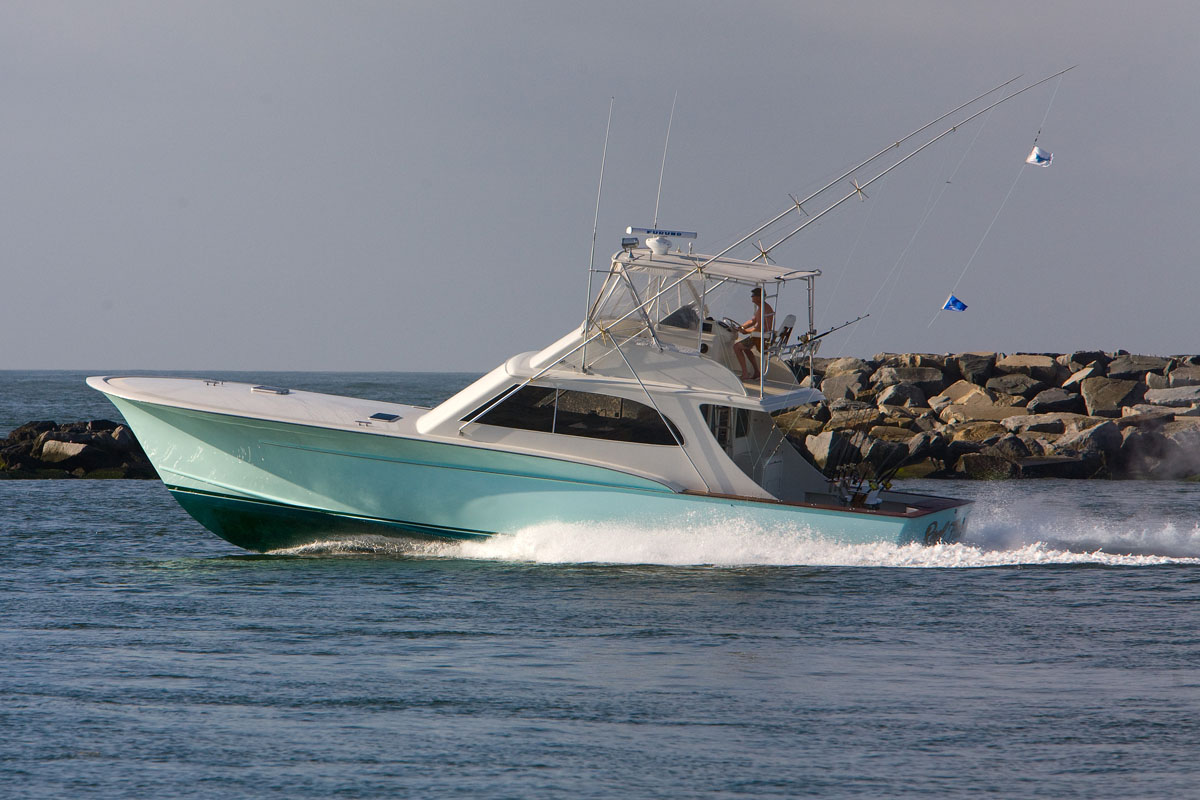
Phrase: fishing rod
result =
(834, 329)
(859, 188)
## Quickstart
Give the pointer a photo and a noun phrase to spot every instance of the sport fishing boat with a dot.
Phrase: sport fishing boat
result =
(638, 417)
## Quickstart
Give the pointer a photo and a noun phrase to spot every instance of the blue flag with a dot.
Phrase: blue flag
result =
(954, 304)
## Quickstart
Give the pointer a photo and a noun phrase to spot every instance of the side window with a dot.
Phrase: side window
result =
(563, 411)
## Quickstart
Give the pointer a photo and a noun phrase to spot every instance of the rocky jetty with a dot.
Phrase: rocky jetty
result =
(96, 449)
(991, 415)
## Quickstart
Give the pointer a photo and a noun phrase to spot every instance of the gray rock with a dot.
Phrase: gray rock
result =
(984, 432)
(1074, 467)
(1142, 453)
(1016, 383)
(1183, 455)
(1179, 397)
(832, 449)
(1039, 367)
(54, 451)
(986, 467)
(1186, 375)
(884, 456)
(854, 419)
(1009, 447)
(1086, 357)
(1134, 367)
(976, 368)
(979, 413)
(1103, 438)
(839, 366)
(1091, 371)
(928, 444)
(843, 385)
(31, 431)
(956, 450)
(929, 380)
(1052, 400)
(1057, 422)
(902, 394)
(1104, 397)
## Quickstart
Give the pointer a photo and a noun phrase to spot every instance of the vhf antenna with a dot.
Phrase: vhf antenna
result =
(663, 169)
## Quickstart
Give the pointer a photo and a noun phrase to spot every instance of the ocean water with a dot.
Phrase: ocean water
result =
(1054, 653)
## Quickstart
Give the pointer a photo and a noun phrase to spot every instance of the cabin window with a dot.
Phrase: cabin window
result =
(726, 423)
(572, 413)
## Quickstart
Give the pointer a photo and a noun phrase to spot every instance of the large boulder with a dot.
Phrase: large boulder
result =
(983, 432)
(883, 456)
(1104, 397)
(928, 444)
(910, 360)
(1082, 358)
(1178, 397)
(1183, 438)
(1039, 367)
(1103, 438)
(976, 367)
(986, 467)
(71, 456)
(840, 366)
(1055, 423)
(860, 419)
(929, 380)
(31, 431)
(976, 413)
(1056, 400)
(1091, 465)
(1142, 453)
(1186, 375)
(962, 393)
(844, 385)
(902, 394)
(1134, 367)
(832, 449)
(891, 433)
(1092, 370)
(1008, 447)
(1016, 383)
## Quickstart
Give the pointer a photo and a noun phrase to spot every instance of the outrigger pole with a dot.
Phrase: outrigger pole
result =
(596, 220)
(858, 188)
(798, 205)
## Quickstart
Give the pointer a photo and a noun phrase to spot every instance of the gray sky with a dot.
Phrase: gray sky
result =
(410, 186)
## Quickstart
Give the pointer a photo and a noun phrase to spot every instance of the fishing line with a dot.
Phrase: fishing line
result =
(1020, 171)
(854, 247)
(971, 260)
(921, 226)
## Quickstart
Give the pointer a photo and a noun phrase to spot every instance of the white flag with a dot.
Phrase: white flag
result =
(1039, 157)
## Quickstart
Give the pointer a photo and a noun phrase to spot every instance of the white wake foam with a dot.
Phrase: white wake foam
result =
(999, 536)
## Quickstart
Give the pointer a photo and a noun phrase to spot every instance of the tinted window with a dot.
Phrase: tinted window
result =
(597, 416)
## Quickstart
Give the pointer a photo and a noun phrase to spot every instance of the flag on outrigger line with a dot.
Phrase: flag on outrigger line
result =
(954, 304)
(1039, 157)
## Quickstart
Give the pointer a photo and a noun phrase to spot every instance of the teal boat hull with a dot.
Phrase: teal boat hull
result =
(264, 485)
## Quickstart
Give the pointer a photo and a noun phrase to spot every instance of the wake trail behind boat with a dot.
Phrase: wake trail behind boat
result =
(998, 537)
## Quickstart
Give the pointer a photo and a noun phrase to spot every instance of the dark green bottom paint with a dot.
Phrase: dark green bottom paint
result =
(262, 526)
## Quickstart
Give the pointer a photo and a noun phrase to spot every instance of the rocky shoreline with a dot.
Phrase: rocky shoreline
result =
(97, 449)
(966, 415)
(1085, 414)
